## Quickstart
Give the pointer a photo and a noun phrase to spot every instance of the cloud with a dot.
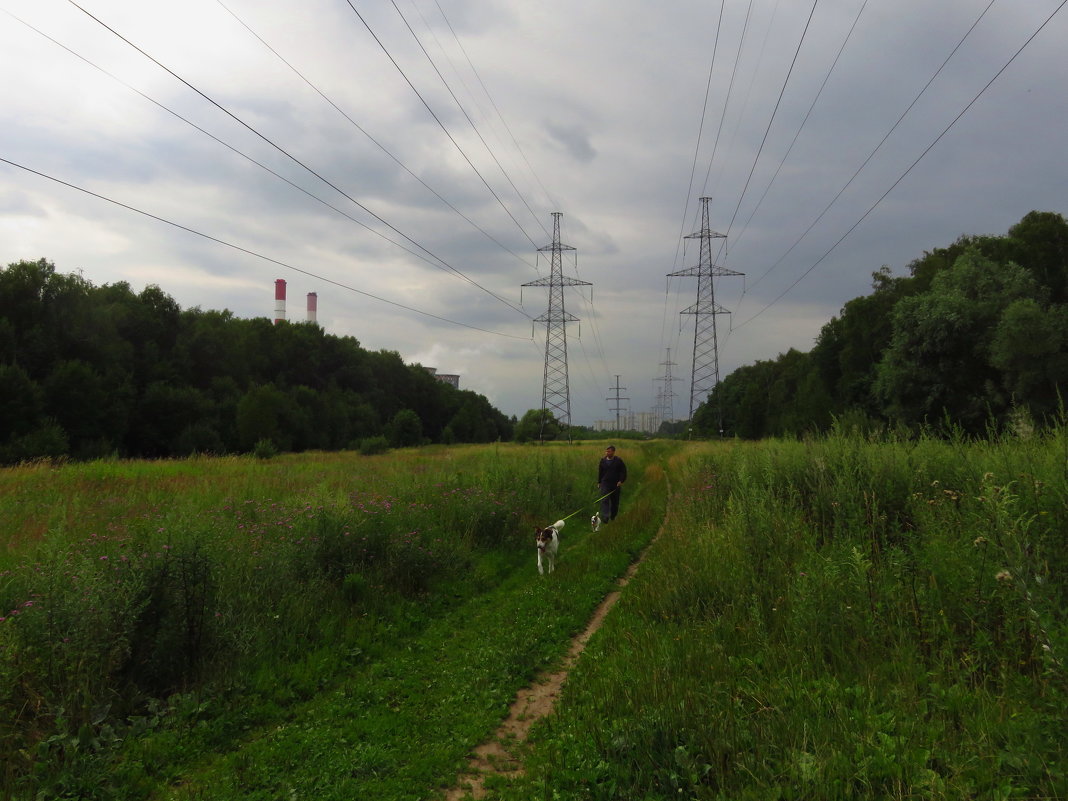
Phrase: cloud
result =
(614, 113)
(574, 139)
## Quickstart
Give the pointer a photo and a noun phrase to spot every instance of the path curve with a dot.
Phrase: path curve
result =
(495, 756)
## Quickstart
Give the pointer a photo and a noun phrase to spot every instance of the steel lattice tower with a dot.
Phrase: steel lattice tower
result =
(665, 406)
(555, 392)
(705, 373)
(617, 398)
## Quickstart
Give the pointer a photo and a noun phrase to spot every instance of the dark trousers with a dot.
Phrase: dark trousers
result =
(610, 503)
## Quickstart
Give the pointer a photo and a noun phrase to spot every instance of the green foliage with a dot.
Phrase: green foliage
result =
(176, 606)
(939, 360)
(973, 336)
(265, 448)
(840, 618)
(846, 617)
(537, 425)
(373, 446)
(90, 371)
(405, 430)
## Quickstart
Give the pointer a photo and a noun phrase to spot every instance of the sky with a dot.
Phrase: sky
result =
(404, 160)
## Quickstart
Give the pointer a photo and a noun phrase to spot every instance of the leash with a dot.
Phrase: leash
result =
(596, 501)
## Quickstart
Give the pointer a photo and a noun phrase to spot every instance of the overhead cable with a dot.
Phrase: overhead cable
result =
(438, 121)
(467, 116)
(789, 150)
(882, 141)
(250, 252)
(267, 169)
(774, 112)
(253, 130)
(367, 134)
(900, 178)
(548, 195)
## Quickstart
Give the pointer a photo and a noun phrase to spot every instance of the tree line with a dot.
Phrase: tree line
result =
(92, 371)
(974, 338)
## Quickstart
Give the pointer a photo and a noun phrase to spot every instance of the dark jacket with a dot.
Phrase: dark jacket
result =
(611, 471)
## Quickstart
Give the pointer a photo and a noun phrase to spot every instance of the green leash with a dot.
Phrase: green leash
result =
(596, 501)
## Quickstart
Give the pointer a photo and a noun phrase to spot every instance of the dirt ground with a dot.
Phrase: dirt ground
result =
(496, 756)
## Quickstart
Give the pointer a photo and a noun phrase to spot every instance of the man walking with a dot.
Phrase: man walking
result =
(611, 473)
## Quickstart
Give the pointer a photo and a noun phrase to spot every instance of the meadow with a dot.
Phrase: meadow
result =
(837, 618)
(832, 619)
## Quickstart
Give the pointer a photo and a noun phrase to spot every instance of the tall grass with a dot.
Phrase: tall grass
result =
(840, 618)
(136, 592)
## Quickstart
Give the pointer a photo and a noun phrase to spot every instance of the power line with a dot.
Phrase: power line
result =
(249, 252)
(439, 266)
(367, 134)
(493, 103)
(700, 131)
(801, 127)
(774, 112)
(467, 116)
(730, 91)
(441, 125)
(277, 147)
(911, 166)
(882, 141)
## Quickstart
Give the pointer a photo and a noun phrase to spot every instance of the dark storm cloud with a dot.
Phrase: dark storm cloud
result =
(604, 100)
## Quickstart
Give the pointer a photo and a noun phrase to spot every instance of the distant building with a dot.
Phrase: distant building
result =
(445, 378)
(645, 422)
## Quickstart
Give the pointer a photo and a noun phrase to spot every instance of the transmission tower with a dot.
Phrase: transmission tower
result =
(616, 397)
(555, 392)
(665, 406)
(705, 372)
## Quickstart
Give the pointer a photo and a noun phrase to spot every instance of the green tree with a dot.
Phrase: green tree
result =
(850, 346)
(537, 425)
(1041, 246)
(939, 361)
(90, 408)
(21, 402)
(1030, 348)
(405, 429)
(260, 414)
(130, 371)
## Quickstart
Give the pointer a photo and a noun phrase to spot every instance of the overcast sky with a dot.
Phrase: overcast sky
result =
(404, 159)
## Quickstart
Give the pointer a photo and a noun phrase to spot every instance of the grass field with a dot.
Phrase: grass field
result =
(840, 618)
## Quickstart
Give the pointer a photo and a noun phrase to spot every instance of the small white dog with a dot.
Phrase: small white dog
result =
(595, 522)
(548, 540)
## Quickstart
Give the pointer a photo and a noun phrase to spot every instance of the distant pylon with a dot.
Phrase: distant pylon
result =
(705, 372)
(617, 398)
(665, 406)
(555, 391)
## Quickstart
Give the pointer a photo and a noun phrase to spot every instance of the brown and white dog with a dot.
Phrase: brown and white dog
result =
(548, 540)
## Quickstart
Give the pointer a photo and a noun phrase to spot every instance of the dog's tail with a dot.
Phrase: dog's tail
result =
(559, 524)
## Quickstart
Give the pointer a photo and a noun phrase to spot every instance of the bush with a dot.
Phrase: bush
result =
(265, 449)
(374, 445)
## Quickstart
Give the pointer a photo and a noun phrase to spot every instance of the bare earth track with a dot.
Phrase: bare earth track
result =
(495, 756)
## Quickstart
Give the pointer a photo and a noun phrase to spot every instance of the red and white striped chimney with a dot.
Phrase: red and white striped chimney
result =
(279, 300)
(313, 305)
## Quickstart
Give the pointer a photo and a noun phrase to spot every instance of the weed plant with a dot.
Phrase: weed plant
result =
(841, 618)
(153, 612)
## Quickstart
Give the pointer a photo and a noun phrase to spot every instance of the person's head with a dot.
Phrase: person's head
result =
(610, 451)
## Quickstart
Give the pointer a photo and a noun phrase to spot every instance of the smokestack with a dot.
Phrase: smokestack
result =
(279, 300)
(313, 301)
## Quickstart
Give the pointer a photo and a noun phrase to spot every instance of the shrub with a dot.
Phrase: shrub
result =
(265, 449)
(374, 445)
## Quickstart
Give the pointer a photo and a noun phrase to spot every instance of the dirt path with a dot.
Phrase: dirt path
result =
(495, 756)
